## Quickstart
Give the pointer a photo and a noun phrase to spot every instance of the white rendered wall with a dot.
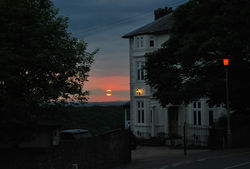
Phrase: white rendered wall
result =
(137, 55)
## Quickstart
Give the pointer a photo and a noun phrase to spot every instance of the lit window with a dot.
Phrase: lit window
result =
(140, 70)
(140, 111)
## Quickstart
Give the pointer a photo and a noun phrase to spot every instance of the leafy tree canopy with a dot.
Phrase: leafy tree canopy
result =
(189, 65)
(39, 59)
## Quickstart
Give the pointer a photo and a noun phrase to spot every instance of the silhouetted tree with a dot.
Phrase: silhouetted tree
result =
(189, 65)
(39, 59)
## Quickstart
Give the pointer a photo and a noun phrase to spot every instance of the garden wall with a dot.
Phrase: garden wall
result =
(105, 151)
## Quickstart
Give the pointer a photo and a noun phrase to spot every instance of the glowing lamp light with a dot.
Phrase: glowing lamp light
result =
(139, 91)
(226, 62)
(108, 92)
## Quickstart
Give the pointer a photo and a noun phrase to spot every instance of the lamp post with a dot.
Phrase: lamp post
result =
(229, 134)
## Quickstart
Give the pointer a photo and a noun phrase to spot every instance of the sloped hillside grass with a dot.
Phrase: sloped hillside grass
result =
(97, 119)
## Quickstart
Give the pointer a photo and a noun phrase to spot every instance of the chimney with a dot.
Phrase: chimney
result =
(160, 12)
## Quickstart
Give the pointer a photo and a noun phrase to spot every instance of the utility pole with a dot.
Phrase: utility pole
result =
(229, 133)
(184, 139)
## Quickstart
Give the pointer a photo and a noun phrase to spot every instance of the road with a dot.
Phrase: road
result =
(165, 158)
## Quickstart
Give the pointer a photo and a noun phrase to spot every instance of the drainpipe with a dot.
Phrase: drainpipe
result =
(153, 121)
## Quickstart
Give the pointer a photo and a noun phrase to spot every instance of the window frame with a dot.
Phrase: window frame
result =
(140, 72)
(210, 115)
(196, 109)
(140, 107)
(151, 39)
(139, 42)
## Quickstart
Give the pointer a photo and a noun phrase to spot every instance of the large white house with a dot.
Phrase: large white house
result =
(147, 117)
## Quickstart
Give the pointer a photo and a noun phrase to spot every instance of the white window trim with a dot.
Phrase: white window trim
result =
(151, 38)
(139, 42)
(140, 111)
(196, 111)
(140, 72)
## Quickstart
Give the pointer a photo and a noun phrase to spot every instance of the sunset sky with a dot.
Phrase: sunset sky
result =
(102, 23)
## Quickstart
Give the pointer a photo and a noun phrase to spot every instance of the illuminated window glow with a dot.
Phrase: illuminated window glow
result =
(139, 92)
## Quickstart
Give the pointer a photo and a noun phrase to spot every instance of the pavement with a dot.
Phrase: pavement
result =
(166, 158)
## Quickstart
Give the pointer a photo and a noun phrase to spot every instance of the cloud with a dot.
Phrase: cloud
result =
(102, 23)
(115, 83)
(86, 14)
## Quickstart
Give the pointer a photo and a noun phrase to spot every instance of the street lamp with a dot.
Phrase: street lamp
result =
(229, 134)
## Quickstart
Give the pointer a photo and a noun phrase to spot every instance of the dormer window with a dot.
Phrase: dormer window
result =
(151, 41)
(139, 42)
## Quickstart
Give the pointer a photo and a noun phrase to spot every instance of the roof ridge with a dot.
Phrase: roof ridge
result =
(162, 24)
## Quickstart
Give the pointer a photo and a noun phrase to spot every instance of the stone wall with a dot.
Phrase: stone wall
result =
(105, 151)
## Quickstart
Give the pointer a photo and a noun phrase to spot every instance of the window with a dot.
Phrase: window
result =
(195, 119)
(194, 104)
(199, 105)
(139, 42)
(140, 111)
(211, 117)
(197, 113)
(151, 116)
(140, 70)
(151, 41)
(199, 117)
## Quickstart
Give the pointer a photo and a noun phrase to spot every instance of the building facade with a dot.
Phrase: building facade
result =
(147, 117)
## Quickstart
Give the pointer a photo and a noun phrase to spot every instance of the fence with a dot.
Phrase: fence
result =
(197, 135)
(203, 136)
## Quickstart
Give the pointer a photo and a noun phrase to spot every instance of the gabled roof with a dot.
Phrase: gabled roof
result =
(158, 26)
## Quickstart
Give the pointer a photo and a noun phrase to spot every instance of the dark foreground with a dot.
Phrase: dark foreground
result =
(165, 158)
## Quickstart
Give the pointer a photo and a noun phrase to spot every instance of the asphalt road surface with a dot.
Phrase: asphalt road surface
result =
(165, 158)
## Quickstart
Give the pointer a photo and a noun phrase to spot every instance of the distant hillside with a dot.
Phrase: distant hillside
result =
(97, 119)
(117, 103)
(90, 104)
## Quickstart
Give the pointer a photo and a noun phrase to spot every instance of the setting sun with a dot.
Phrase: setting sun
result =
(108, 92)
(98, 86)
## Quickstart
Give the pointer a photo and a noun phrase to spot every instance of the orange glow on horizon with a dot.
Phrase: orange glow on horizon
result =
(99, 87)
